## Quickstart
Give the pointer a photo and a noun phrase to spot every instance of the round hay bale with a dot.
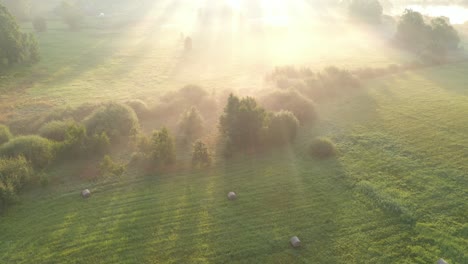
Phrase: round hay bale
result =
(85, 193)
(232, 196)
(295, 242)
(442, 261)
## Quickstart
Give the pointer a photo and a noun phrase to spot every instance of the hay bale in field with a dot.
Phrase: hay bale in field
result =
(442, 261)
(232, 196)
(85, 193)
(295, 242)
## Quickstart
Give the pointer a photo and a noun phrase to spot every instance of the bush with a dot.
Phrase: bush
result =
(38, 150)
(283, 127)
(118, 121)
(322, 148)
(5, 134)
(109, 168)
(200, 155)
(39, 24)
(55, 130)
(140, 108)
(302, 107)
(191, 125)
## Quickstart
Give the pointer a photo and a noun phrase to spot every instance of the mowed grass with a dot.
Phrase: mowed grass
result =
(396, 193)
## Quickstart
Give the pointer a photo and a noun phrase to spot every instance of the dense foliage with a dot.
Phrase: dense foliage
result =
(291, 100)
(15, 46)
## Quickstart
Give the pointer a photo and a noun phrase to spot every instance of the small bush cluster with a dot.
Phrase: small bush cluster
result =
(14, 174)
(109, 168)
(5, 134)
(322, 148)
(37, 150)
(118, 121)
(201, 156)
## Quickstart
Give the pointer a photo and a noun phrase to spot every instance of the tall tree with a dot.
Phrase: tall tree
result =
(15, 46)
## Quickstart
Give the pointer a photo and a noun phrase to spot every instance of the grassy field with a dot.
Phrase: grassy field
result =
(396, 193)
(402, 142)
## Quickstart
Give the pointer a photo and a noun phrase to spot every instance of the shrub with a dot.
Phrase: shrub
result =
(191, 125)
(140, 108)
(118, 121)
(200, 155)
(302, 107)
(55, 130)
(7, 195)
(322, 148)
(283, 127)
(5, 134)
(38, 150)
(39, 24)
(109, 168)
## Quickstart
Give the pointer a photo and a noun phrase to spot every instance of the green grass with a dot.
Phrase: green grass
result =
(395, 194)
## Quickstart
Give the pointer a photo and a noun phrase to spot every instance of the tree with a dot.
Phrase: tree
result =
(200, 155)
(162, 148)
(366, 10)
(21, 9)
(71, 14)
(191, 125)
(443, 36)
(39, 24)
(412, 32)
(242, 122)
(432, 40)
(15, 46)
(283, 127)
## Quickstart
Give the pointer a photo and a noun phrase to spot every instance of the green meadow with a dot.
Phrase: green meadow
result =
(396, 192)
